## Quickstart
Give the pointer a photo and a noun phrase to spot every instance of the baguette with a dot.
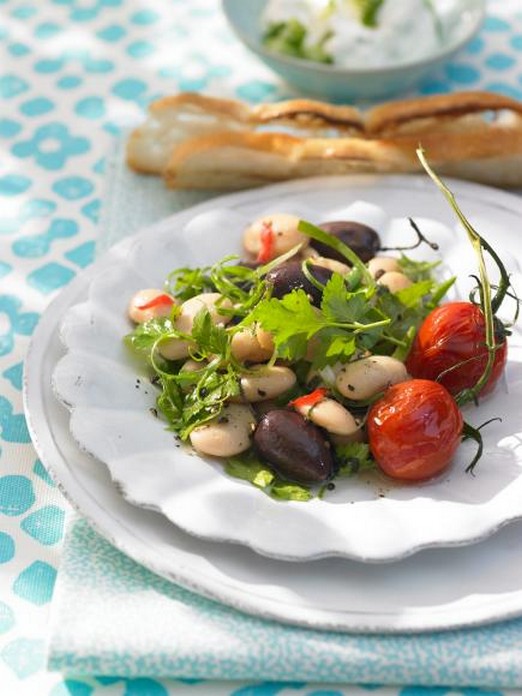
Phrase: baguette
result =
(174, 120)
(227, 160)
(202, 142)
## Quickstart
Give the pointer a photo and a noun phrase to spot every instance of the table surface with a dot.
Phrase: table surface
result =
(73, 74)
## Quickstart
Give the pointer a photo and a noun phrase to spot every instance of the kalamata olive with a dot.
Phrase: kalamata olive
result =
(361, 239)
(289, 276)
(295, 447)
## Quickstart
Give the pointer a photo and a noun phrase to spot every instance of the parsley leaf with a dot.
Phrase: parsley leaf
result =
(249, 468)
(210, 338)
(413, 295)
(184, 283)
(291, 491)
(417, 270)
(354, 457)
(145, 335)
(292, 320)
(347, 321)
(338, 305)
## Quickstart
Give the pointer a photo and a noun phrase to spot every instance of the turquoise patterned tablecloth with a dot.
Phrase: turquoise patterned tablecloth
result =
(73, 74)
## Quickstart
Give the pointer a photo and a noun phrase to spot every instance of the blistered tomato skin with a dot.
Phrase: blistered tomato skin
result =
(454, 334)
(414, 430)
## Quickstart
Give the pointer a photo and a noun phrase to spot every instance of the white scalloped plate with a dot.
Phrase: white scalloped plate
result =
(365, 519)
(435, 589)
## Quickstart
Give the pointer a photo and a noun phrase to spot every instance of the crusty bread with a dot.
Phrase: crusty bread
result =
(226, 160)
(173, 120)
(436, 110)
(203, 142)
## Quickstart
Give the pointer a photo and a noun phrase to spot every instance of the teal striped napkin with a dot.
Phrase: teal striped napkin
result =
(111, 616)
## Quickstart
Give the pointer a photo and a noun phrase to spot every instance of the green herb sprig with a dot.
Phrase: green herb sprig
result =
(488, 304)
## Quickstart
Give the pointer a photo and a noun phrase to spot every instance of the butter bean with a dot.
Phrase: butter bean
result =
(266, 382)
(394, 281)
(252, 344)
(177, 348)
(211, 301)
(192, 366)
(331, 265)
(330, 415)
(382, 264)
(138, 314)
(285, 234)
(362, 379)
(226, 435)
(265, 339)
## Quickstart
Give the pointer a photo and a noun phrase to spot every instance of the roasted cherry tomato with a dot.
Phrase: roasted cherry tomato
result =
(454, 334)
(414, 430)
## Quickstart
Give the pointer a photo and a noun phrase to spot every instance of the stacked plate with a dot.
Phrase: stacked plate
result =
(371, 556)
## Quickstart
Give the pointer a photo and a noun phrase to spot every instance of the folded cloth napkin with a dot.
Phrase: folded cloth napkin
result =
(111, 616)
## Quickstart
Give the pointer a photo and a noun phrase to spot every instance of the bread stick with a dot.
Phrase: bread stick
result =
(202, 142)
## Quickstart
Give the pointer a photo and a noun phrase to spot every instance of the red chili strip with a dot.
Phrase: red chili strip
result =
(158, 300)
(267, 239)
(310, 399)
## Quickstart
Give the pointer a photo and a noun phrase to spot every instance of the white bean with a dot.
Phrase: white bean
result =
(193, 366)
(253, 344)
(266, 382)
(382, 264)
(138, 311)
(190, 366)
(330, 415)
(211, 301)
(394, 281)
(362, 379)
(285, 234)
(226, 435)
(331, 265)
(177, 348)
(265, 339)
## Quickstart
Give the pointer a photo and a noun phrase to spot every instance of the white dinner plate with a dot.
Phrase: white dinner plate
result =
(365, 518)
(433, 590)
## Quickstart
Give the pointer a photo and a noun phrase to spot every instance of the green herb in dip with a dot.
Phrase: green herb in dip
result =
(358, 33)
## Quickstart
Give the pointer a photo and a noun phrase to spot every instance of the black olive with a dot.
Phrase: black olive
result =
(361, 239)
(295, 447)
(289, 276)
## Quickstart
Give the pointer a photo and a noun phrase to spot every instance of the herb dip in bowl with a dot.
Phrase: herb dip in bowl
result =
(354, 49)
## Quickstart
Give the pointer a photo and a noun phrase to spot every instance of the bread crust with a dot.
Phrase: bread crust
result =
(225, 107)
(309, 114)
(391, 117)
(202, 142)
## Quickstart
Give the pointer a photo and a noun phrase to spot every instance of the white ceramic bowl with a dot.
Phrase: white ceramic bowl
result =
(337, 83)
